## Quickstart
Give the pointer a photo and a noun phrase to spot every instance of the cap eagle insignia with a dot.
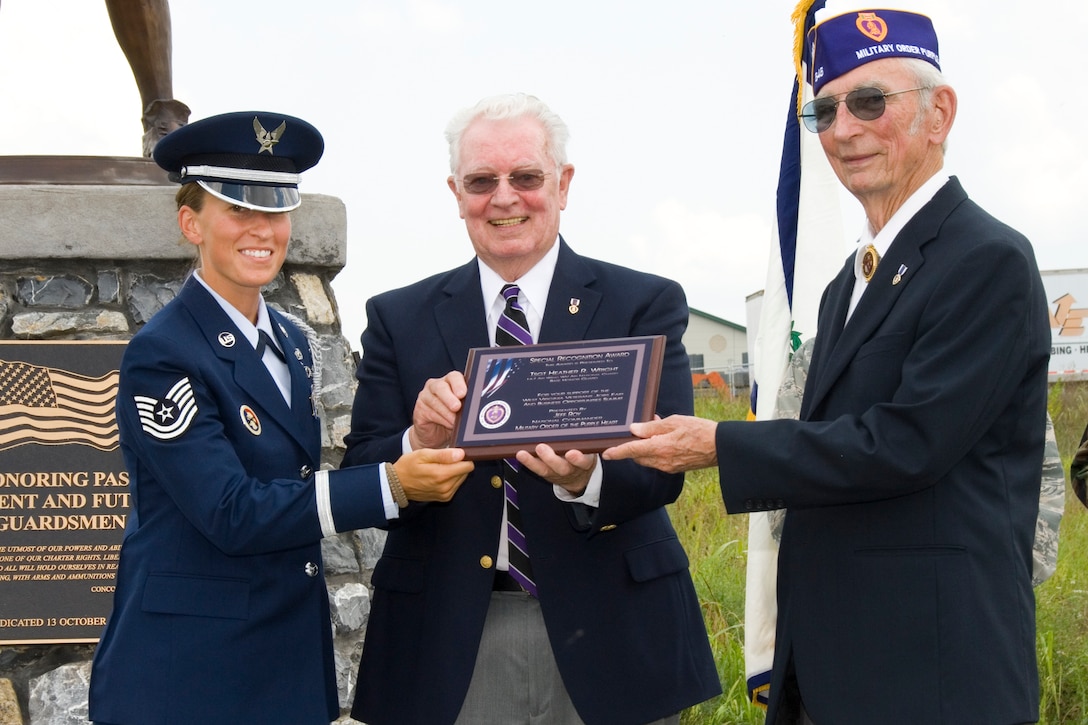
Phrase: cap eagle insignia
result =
(264, 138)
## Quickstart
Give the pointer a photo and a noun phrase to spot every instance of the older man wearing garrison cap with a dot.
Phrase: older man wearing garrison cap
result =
(912, 477)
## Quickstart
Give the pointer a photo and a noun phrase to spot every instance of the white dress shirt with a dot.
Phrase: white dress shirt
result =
(884, 238)
(277, 368)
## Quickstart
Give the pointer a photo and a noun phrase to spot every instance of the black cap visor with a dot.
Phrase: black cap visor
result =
(252, 196)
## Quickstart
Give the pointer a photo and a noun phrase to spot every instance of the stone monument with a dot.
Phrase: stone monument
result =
(89, 251)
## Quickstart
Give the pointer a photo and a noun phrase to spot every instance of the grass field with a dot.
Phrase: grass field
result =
(716, 544)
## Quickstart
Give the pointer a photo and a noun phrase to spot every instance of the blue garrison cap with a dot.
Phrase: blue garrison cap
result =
(844, 42)
(250, 158)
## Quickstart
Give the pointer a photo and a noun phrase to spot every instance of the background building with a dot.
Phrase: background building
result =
(1067, 293)
(718, 351)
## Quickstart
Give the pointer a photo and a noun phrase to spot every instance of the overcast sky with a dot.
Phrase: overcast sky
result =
(676, 112)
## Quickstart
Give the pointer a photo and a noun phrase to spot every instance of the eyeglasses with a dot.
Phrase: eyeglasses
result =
(527, 180)
(865, 103)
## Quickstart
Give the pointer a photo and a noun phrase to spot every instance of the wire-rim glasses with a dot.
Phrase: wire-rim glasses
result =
(865, 103)
(525, 180)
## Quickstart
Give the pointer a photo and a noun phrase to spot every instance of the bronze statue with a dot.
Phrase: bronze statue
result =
(142, 28)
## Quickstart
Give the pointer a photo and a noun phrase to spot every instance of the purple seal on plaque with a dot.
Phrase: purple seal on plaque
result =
(494, 414)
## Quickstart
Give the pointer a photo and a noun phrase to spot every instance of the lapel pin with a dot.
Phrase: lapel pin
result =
(574, 302)
(899, 274)
(226, 339)
(869, 262)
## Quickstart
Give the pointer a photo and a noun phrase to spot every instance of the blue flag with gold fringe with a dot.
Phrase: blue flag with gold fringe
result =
(804, 257)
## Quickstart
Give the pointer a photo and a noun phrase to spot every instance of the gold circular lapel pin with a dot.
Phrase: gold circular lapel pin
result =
(869, 261)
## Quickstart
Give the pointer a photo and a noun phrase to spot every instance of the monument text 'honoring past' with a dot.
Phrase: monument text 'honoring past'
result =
(64, 496)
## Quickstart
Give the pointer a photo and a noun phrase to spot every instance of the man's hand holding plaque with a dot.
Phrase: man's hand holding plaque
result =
(435, 415)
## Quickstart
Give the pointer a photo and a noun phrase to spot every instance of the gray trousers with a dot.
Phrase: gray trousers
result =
(516, 680)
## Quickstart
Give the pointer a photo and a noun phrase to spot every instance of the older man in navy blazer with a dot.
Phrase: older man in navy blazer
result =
(607, 629)
(912, 477)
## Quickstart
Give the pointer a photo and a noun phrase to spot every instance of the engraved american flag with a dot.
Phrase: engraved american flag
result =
(56, 407)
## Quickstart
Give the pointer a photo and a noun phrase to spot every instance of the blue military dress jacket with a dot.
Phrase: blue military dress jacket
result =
(221, 613)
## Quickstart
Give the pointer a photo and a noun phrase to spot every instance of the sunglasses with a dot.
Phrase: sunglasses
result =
(865, 103)
(528, 180)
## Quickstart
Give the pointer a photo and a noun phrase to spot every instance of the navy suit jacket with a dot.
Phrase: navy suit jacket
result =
(912, 483)
(615, 592)
(220, 612)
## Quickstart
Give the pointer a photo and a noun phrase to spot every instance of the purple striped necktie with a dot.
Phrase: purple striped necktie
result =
(513, 329)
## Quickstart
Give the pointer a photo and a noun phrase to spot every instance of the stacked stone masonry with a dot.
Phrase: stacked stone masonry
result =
(95, 263)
